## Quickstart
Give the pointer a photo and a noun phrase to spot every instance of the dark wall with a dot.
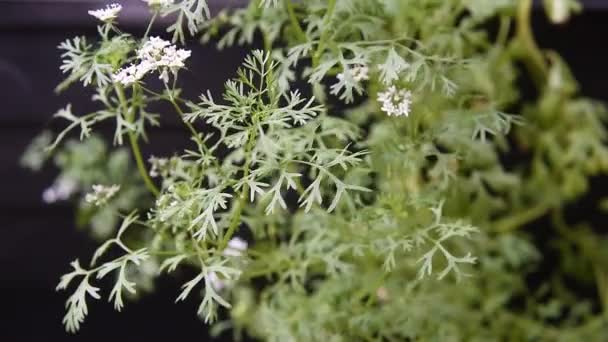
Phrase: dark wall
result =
(38, 240)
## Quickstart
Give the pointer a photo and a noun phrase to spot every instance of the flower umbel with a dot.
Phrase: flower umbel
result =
(236, 246)
(360, 73)
(107, 14)
(395, 101)
(155, 54)
(158, 166)
(101, 194)
(61, 190)
(157, 4)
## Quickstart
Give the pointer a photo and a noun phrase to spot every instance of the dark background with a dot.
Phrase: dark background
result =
(38, 241)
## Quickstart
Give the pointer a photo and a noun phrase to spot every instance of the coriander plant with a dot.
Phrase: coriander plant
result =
(371, 172)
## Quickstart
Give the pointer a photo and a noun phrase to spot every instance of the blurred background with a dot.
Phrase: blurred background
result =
(39, 240)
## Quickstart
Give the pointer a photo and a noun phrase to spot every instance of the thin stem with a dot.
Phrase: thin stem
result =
(141, 165)
(134, 144)
(530, 52)
(601, 280)
(331, 6)
(236, 218)
(295, 24)
(188, 125)
(519, 220)
(503, 31)
(191, 128)
(150, 25)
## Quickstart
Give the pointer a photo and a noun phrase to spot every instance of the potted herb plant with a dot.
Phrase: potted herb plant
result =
(371, 172)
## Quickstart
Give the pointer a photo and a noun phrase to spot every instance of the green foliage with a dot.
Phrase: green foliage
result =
(381, 208)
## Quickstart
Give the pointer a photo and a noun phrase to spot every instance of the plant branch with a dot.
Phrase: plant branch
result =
(528, 49)
(520, 219)
(134, 143)
(331, 6)
(295, 24)
(236, 218)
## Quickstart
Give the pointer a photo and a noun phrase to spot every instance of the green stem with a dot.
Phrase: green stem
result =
(503, 31)
(134, 144)
(331, 6)
(188, 125)
(236, 218)
(530, 52)
(150, 24)
(191, 128)
(601, 279)
(519, 220)
(141, 165)
(295, 24)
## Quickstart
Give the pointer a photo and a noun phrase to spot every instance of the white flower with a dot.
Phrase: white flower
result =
(357, 74)
(161, 54)
(107, 14)
(156, 4)
(133, 73)
(155, 54)
(236, 246)
(158, 165)
(101, 194)
(217, 283)
(360, 73)
(61, 190)
(152, 49)
(173, 58)
(558, 10)
(395, 101)
(127, 76)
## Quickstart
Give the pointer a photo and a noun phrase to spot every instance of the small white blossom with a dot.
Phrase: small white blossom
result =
(127, 76)
(61, 190)
(157, 4)
(161, 53)
(153, 49)
(395, 101)
(156, 54)
(107, 14)
(558, 10)
(101, 194)
(236, 246)
(358, 74)
(158, 165)
(217, 283)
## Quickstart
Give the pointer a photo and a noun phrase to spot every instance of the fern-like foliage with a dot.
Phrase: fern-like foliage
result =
(365, 153)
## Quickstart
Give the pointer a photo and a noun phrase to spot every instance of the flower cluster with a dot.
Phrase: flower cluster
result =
(358, 73)
(61, 190)
(107, 14)
(395, 101)
(157, 4)
(158, 165)
(235, 248)
(101, 194)
(155, 54)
